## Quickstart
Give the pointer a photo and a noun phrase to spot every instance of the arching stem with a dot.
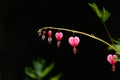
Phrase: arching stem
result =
(83, 33)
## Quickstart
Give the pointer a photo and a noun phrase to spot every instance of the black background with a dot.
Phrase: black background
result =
(20, 44)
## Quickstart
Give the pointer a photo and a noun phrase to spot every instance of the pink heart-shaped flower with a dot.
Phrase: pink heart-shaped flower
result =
(49, 33)
(59, 36)
(111, 60)
(74, 41)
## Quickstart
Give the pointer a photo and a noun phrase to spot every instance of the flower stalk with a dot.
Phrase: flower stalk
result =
(83, 33)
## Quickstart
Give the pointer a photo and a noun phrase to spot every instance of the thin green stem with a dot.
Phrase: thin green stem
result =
(108, 33)
(83, 33)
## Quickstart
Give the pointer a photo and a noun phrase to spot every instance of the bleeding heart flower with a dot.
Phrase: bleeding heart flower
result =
(49, 36)
(43, 35)
(74, 41)
(58, 36)
(111, 59)
(49, 33)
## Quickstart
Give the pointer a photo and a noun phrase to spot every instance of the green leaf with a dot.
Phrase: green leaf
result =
(105, 15)
(57, 77)
(96, 9)
(102, 14)
(38, 67)
(109, 48)
(117, 46)
(47, 70)
(119, 39)
(118, 59)
(30, 72)
(42, 62)
(116, 41)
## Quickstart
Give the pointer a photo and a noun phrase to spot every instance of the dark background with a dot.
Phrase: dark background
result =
(20, 44)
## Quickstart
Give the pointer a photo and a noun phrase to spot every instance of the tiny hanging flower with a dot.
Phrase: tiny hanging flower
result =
(43, 35)
(74, 41)
(39, 33)
(111, 59)
(58, 36)
(49, 36)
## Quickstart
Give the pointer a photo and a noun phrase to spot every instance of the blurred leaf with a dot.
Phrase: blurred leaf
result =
(30, 72)
(117, 46)
(47, 70)
(109, 48)
(116, 41)
(96, 9)
(57, 77)
(119, 39)
(42, 62)
(39, 70)
(105, 15)
(38, 67)
(118, 59)
(102, 14)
